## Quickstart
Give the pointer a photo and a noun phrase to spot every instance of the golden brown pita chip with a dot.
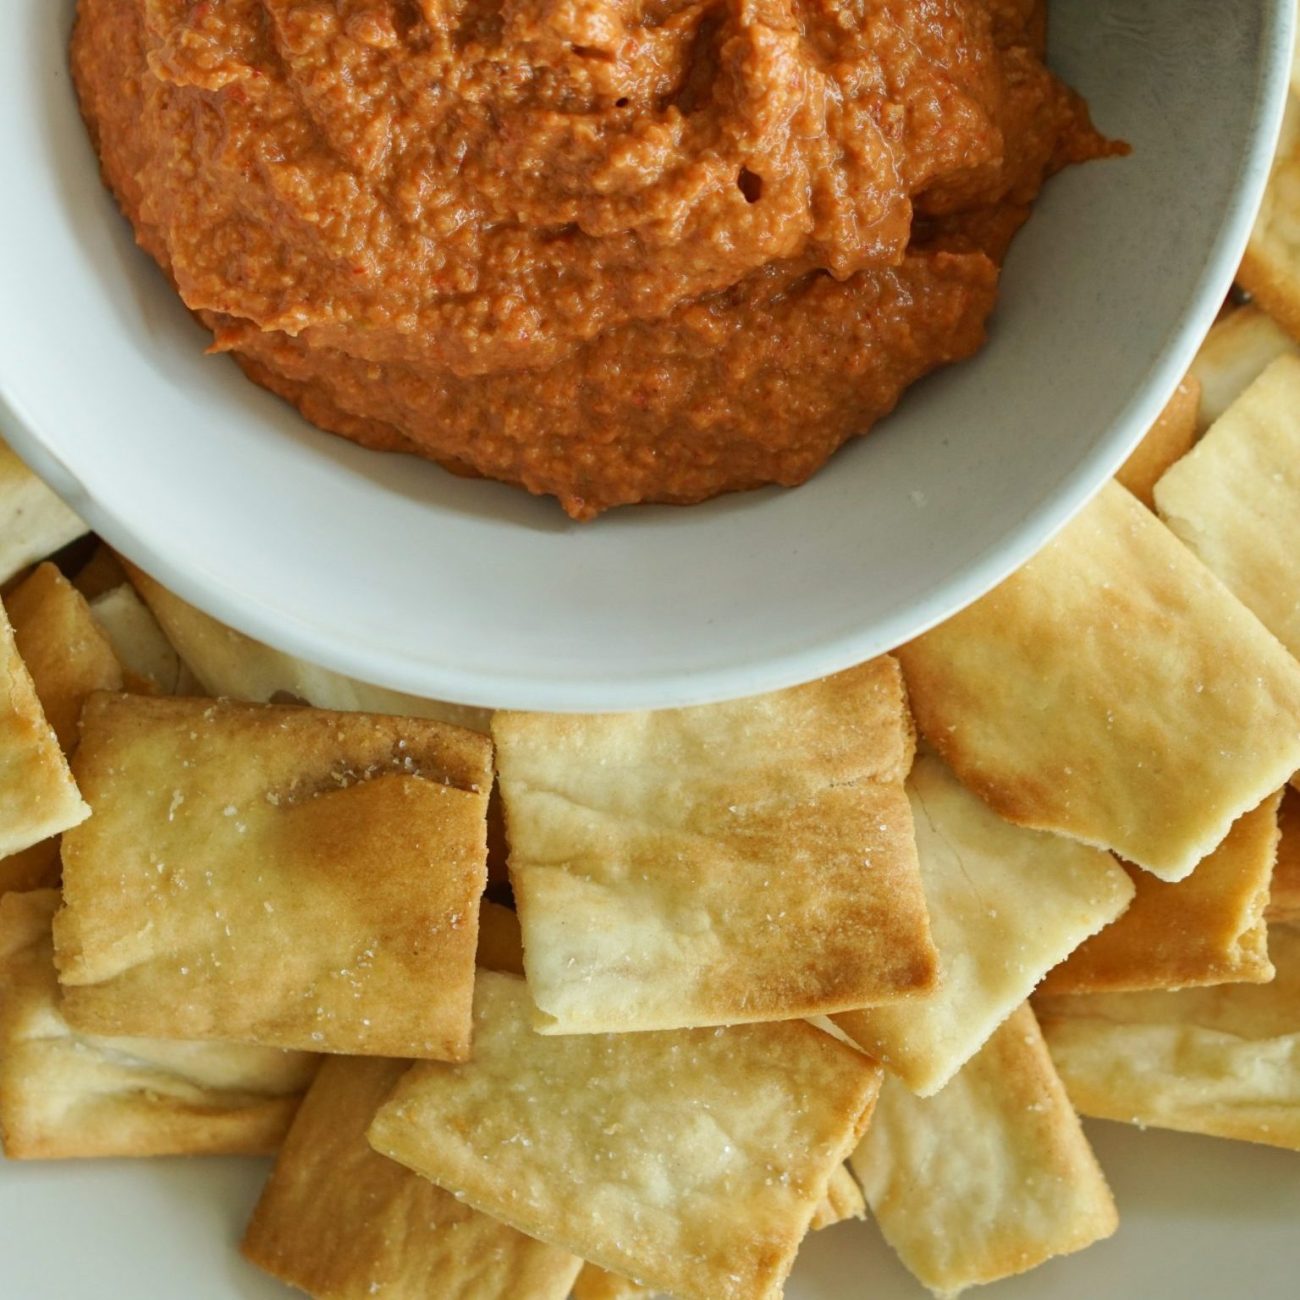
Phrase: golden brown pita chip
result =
(35, 868)
(283, 876)
(1168, 440)
(1114, 691)
(1270, 268)
(500, 945)
(100, 574)
(151, 664)
(1006, 905)
(228, 663)
(63, 647)
(1207, 929)
(38, 797)
(1235, 501)
(1238, 349)
(34, 523)
(341, 1222)
(737, 862)
(690, 1160)
(844, 1200)
(1284, 898)
(990, 1177)
(1224, 1061)
(67, 1095)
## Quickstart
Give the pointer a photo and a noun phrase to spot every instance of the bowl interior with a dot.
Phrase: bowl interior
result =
(391, 570)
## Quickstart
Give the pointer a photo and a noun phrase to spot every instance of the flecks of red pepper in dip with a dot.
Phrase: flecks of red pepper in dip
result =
(612, 250)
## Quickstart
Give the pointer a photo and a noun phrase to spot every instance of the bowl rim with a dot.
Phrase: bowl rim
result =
(616, 691)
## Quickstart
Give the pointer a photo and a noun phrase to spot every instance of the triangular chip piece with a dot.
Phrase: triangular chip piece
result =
(1006, 905)
(1224, 1061)
(341, 1222)
(990, 1177)
(230, 664)
(1235, 501)
(691, 1160)
(1207, 929)
(70, 1095)
(735, 862)
(38, 797)
(284, 876)
(1114, 691)
(34, 522)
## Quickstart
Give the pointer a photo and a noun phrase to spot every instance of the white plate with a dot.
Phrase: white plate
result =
(391, 570)
(1200, 1220)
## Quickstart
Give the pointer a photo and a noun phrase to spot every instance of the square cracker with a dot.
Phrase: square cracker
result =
(1113, 690)
(1235, 501)
(1207, 929)
(692, 1160)
(38, 797)
(1006, 905)
(1168, 440)
(1284, 897)
(1224, 1061)
(1270, 267)
(284, 876)
(1237, 350)
(34, 523)
(228, 663)
(341, 1222)
(70, 1095)
(736, 862)
(991, 1177)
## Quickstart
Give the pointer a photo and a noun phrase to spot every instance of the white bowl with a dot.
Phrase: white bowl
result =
(391, 570)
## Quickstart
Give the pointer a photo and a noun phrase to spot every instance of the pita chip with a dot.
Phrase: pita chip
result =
(500, 945)
(150, 662)
(1224, 1061)
(1006, 905)
(34, 522)
(229, 664)
(100, 574)
(737, 862)
(69, 1095)
(691, 1160)
(1284, 897)
(992, 1176)
(341, 1222)
(1270, 267)
(1207, 929)
(282, 876)
(1112, 690)
(38, 796)
(1235, 501)
(1168, 440)
(1238, 349)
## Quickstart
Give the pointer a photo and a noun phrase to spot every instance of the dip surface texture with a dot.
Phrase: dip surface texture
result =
(611, 250)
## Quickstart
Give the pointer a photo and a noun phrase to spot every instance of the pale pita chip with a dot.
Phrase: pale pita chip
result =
(284, 876)
(1223, 1061)
(69, 1095)
(1270, 267)
(1113, 691)
(34, 523)
(1284, 897)
(735, 862)
(139, 644)
(692, 1160)
(1207, 929)
(990, 1177)
(1235, 501)
(38, 797)
(1006, 905)
(1237, 350)
(228, 663)
(1168, 440)
(341, 1222)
